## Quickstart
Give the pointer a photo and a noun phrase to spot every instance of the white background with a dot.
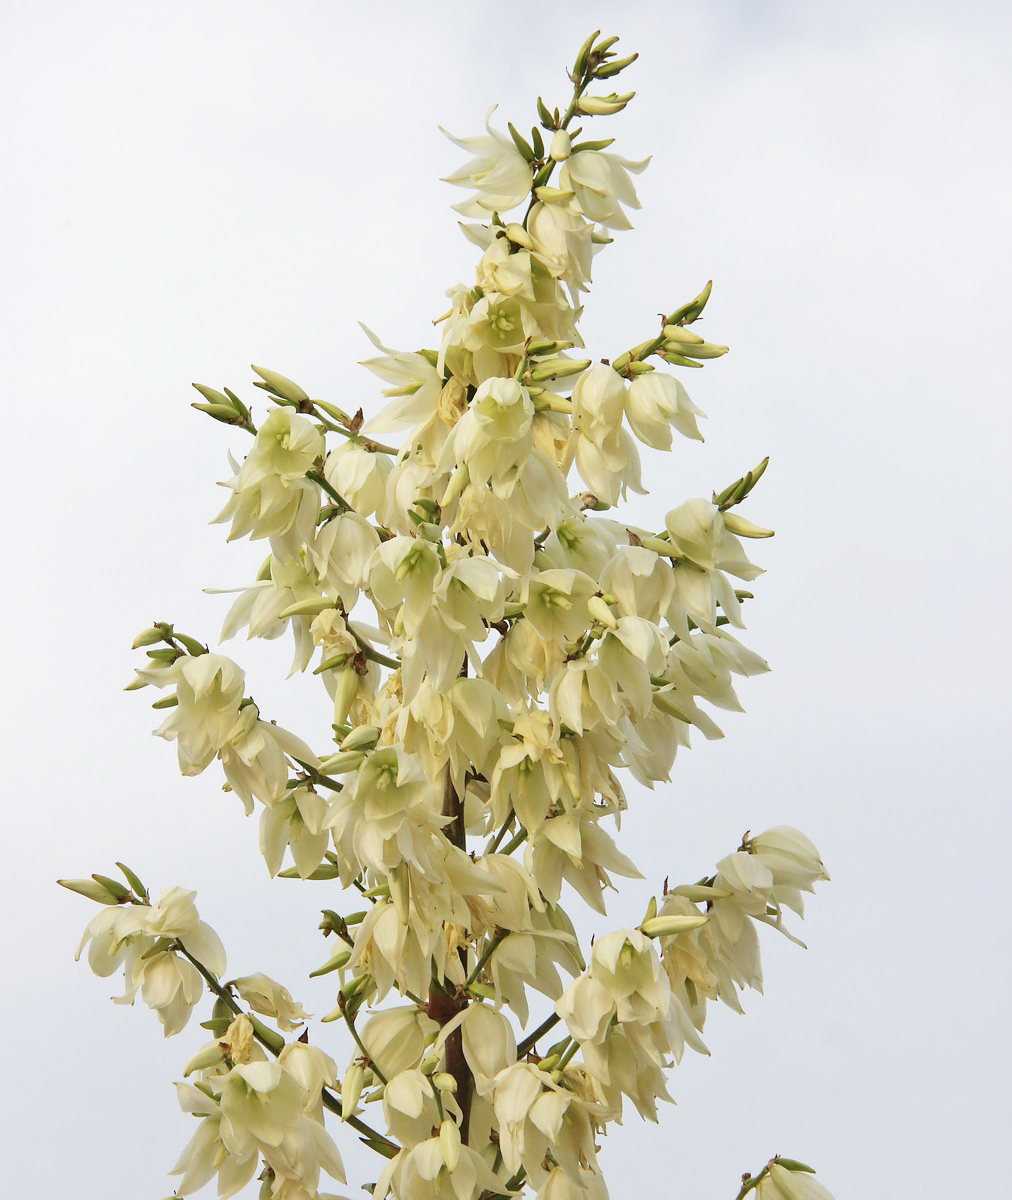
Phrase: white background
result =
(191, 186)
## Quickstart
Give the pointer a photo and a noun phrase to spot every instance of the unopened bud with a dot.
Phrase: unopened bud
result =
(601, 612)
(738, 525)
(220, 412)
(363, 737)
(667, 926)
(449, 1144)
(519, 236)
(210, 1056)
(211, 395)
(274, 1040)
(658, 545)
(338, 764)
(557, 368)
(561, 146)
(333, 964)
(311, 607)
(91, 889)
(553, 195)
(280, 385)
(429, 1065)
(114, 886)
(444, 1081)
(148, 637)
(699, 893)
(351, 1089)
(583, 55)
(679, 334)
(604, 106)
(612, 68)
(458, 481)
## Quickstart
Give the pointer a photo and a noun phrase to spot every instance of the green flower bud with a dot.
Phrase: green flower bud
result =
(333, 964)
(148, 637)
(583, 55)
(364, 737)
(114, 886)
(91, 889)
(212, 396)
(699, 893)
(221, 412)
(558, 368)
(667, 926)
(604, 106)
(209, 1056)
(742, 528)
(280, 385)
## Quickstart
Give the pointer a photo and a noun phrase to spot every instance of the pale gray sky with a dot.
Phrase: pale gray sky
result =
(191, 187)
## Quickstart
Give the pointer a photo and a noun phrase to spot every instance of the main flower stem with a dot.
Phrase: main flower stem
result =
(446, 1000)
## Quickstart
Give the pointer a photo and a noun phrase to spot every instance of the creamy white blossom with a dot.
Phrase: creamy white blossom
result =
(498, 654)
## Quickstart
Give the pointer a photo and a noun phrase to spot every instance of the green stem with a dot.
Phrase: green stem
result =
(335, 495)
(437, 1097)
(349, 1020)
(750, 1184)
(565, 1059)
(531, 1040)
(370, 652)
(331, 1102)
(498, 938)
(216, 987)
(368, 443)
(520, 837)
(494, 843)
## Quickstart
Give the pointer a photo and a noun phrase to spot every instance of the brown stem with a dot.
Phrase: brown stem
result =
(446, 1000)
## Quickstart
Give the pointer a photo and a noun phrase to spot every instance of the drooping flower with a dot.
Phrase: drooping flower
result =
(498, 172)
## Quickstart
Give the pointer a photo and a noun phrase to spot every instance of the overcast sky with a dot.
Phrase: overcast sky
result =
(193, 186)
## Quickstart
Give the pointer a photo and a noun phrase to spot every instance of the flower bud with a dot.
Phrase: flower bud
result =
(338, 764)
(210, 1056)
(114, 886)
(333, 964)
(604, 106)
(561, 146)
(91, 889)
(666, 926)
(303, 608)
(444, 1082)
(742, 528)
(601, 612)
(148, 637)
(364, 737)
(699, 893)
(557, 368)
(351, 1089)
(221, 412)
(449, 1144)
(519, 236)
(281, 386)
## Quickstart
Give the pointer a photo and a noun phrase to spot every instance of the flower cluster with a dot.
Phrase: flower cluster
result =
(499, 654)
